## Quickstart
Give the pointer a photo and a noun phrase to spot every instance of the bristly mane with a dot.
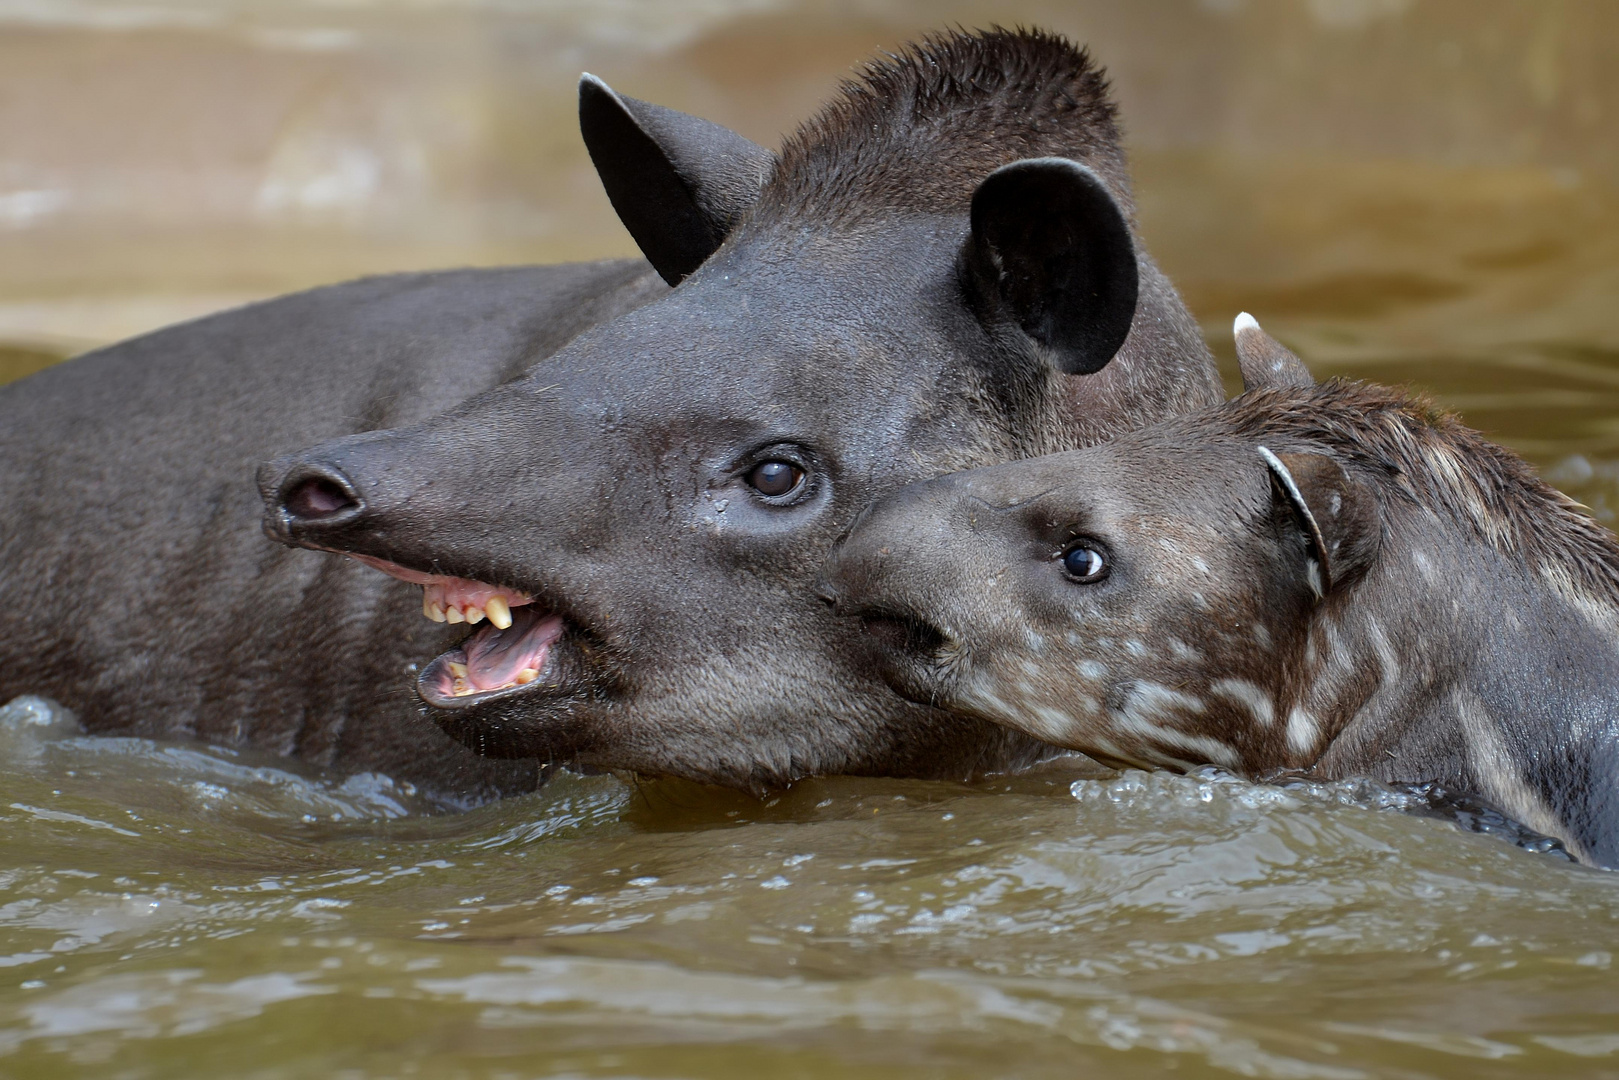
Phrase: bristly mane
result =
(1443, 464)
(922, 129)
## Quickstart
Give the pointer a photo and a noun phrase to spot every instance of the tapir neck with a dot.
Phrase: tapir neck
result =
(1455, 663)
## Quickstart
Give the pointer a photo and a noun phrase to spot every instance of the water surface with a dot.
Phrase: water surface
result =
(178, 910)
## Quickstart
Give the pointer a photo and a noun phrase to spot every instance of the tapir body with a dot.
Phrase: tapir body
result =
(1336, 580)
(639, 480)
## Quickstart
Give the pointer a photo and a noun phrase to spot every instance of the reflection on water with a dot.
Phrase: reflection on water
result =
(1413, 191)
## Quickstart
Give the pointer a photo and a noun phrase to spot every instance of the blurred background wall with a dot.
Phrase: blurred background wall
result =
(1373, 178)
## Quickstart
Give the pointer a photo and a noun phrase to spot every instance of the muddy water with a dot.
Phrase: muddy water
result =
(1410, 191)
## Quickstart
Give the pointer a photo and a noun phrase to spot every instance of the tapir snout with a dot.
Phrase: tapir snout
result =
(338, 493)
(316, 492)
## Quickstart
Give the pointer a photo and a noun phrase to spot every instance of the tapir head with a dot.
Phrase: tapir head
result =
(934, 274)
(1146, 601)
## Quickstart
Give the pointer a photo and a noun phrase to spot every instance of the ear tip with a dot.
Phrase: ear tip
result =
(591, 85)
(1244, 321)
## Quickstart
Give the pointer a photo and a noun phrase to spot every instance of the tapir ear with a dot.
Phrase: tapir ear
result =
(679, 183)
(1337, 516)
(1266, 362)
(1051, 252)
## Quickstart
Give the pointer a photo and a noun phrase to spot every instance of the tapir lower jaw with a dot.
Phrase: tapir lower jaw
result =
(519, 649)
(495, 662)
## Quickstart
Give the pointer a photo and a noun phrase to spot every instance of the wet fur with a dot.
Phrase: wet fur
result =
(920, 130)
(1475, 642)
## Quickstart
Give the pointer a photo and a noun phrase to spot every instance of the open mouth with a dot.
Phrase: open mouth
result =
(512, 651)
(491, 661)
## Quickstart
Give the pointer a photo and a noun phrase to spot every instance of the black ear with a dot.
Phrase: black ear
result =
(679, 183)
(1266, 362)
(1337, 516)
(1051, 252)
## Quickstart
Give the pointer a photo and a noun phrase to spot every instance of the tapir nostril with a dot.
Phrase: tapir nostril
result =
(316, 498)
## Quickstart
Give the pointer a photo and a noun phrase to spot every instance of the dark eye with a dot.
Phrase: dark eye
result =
(774, 478)
(1084, 564)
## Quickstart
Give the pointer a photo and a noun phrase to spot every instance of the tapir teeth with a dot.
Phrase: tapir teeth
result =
(450, 604)
(527, 675)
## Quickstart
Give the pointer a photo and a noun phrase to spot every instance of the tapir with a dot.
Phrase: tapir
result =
(1335, 580)
(585, 505)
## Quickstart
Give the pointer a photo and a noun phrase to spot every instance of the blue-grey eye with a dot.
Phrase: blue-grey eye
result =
(775, 478)
(1084, 564)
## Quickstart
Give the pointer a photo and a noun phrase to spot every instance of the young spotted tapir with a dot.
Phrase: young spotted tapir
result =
(1334, 579)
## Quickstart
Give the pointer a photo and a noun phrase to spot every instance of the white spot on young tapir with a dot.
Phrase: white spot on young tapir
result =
(1054, 725)
(1386, 658)
(1136, 647)
(1302, 731)
(1091, 669)
(1153, 701)
(1204, 747)
(1183, 651)
(1251, 695)
(1150, 712)
(1202, 567)
(1493, 764)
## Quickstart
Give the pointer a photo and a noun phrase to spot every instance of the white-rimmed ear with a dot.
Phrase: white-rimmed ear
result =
(1336, 516)
(1264, 361)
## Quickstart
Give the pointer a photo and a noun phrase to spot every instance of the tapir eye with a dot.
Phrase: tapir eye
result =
(775, 478)
(1084, 563)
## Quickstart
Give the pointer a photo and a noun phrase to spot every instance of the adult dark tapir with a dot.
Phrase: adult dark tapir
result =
(1338, 580)
(625, 487)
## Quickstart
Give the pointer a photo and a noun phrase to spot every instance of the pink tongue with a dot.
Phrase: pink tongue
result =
(495, 657)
